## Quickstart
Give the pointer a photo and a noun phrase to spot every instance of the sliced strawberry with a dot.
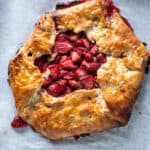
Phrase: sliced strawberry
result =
(80, 72)
(55, 89)
(100, 57)
(75, 56)
(88, 57)
(68, 90)
(91, 67)
(63, 58)
(85, 65)
(18, 123)
(69, 76)
(54, 71)
(86, 43)
(94, 59)
(63, 82)
(62, 73)
(80, 51)
(74, 84)
(63, 47)
(83, 42)
(87, 82)
(94, 66)
(79, 43)
(61, 37)
(68, 64)
(94, 50)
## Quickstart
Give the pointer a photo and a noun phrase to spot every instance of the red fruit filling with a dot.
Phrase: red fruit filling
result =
(74, 67)
(18, 123)
(63, 47)
(110, 8)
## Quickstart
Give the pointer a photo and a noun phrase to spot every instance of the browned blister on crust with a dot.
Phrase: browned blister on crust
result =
(82, 111)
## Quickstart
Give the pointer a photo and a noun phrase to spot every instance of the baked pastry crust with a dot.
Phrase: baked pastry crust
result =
(82, 111)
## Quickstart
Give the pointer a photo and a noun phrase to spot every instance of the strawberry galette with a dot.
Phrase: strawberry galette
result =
(79, 72)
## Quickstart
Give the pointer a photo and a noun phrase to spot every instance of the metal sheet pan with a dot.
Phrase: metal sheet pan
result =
(17, 19)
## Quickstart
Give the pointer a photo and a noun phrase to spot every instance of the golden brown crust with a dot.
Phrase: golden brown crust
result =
(82, 111)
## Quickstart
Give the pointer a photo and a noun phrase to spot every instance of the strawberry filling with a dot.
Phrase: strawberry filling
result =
(74, 67)
(18, 123)
(110, 8)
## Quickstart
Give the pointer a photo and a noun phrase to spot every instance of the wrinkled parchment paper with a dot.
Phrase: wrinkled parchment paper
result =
(17, 19)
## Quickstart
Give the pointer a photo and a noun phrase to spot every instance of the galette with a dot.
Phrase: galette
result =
(79, 72)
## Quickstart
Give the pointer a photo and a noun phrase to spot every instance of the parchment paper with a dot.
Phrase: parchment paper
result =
(17, 19)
